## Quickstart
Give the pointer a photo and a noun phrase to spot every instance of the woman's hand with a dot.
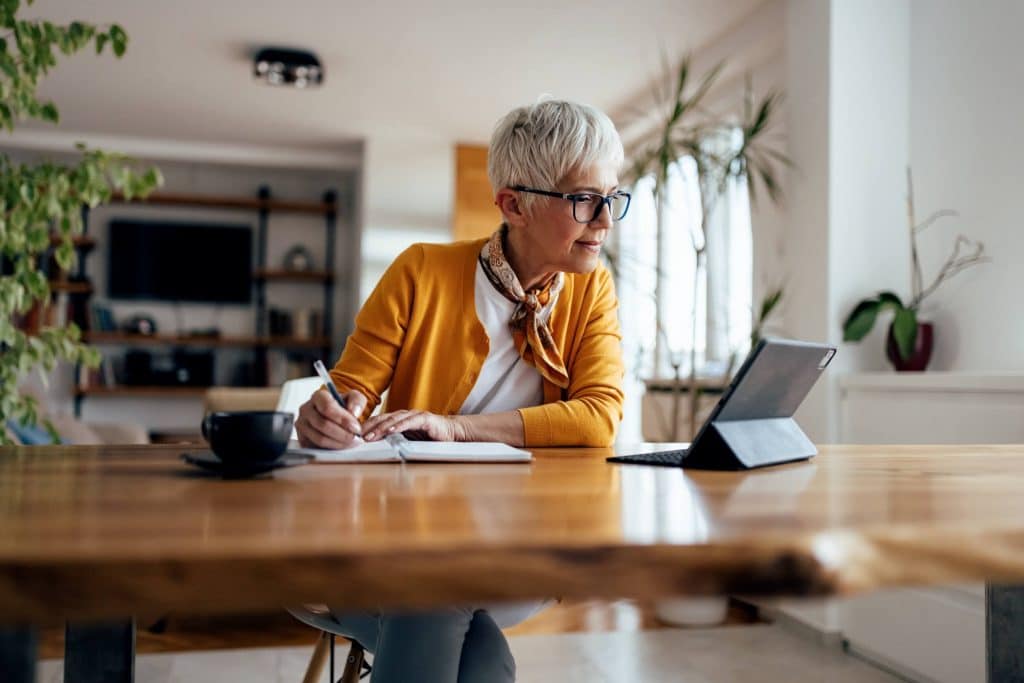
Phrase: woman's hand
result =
(434, 427)
(322, 423)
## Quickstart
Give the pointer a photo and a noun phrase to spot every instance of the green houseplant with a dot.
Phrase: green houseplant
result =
(909, 342)
(40, 204)
(688, 129)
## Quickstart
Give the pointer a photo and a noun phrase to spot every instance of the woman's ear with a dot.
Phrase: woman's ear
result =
(511, 208)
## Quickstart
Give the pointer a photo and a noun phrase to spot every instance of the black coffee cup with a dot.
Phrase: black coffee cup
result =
(248, 436)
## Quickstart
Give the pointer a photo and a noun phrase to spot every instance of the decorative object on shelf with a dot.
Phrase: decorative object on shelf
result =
(723, 149)
(307, 324)
(280, 322)
(909, 341)
(44, 206)
(287, 66)
(140, 324)
(298, 259)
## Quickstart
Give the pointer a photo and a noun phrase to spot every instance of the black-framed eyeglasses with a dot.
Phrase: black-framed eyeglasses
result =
(586, 206)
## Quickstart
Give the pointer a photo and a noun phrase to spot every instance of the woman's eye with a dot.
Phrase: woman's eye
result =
(584, 198)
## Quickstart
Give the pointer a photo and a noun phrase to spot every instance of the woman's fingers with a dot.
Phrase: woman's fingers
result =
(321, 430)
(433, 426)
(311, 437)
(329, 410)
(356, 403)
(380, 426)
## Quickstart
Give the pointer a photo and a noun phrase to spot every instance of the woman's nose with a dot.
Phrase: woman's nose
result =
(604, 216)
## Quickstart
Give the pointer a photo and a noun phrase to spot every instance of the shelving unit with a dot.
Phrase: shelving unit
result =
(130, 391)
(261, 341)
(126, 339)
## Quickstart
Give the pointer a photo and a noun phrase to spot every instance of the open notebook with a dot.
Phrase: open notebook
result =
(396, 448)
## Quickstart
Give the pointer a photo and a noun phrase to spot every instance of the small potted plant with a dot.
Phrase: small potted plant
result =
(909, 342)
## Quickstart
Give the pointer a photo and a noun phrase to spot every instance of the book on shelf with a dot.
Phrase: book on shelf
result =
(103, 376)
(107, 369)
(101, 318)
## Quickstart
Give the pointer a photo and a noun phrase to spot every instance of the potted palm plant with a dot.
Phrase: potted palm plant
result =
(687, 129)
(910, 340)
(41, 204)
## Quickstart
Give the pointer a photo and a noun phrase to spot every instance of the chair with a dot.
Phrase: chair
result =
(294, 393)
(320, 618)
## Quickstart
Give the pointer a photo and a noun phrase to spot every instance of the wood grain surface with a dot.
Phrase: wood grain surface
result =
(107, 531)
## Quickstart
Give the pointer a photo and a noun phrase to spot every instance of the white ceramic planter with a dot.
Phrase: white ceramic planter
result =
(692, 611)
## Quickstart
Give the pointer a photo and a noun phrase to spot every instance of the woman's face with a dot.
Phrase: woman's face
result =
(554, 240)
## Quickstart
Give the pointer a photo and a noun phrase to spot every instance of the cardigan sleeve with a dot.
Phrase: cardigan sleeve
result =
(368, 360)
(591, 413)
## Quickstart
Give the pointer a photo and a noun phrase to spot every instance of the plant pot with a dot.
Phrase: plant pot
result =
(918, 360)
(701, 611)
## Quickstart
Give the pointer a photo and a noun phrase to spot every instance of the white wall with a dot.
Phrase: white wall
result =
(408, 194)
(847, 83)
(966, 107)
(868, 139)
(808, 62)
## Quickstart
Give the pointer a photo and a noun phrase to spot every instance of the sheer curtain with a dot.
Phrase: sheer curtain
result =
(724, 291)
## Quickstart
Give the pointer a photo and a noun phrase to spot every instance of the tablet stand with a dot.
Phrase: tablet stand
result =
(743, 444)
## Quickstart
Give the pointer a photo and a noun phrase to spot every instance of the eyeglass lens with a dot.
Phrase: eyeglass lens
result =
(587, 207)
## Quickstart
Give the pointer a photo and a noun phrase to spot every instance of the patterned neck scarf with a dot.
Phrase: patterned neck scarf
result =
(529, 322)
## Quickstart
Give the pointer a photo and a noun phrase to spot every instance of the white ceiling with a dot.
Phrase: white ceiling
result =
(451, 67)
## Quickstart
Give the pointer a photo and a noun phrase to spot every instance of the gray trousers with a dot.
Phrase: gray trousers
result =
(450, 645)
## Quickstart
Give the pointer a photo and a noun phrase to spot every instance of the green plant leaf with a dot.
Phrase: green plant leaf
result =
(888, 299)
(118, 39)
(861, 320)
(904, 331)
(49, 112)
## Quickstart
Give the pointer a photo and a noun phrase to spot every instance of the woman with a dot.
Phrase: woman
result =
(514, 338)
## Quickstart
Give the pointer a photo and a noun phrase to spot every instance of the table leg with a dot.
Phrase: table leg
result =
(18, 654)
(1004, 633)
(100, 652)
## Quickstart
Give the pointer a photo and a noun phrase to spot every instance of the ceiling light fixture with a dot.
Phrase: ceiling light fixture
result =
(284, 66)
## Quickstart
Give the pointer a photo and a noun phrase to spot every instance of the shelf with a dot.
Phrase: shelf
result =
(933, 381)
(122, 338)
(222, 202)
(129, 391)
(270, 274)
(83, 242)
(70, 287)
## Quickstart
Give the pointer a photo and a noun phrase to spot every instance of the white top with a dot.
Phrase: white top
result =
(496, 391)
(505, 383)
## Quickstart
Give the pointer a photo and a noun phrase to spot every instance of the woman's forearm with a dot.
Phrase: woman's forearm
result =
(506, 427)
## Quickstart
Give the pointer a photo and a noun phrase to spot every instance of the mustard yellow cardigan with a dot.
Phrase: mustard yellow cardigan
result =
(419, 334)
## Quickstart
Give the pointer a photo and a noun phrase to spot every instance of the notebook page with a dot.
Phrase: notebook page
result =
(462, 451)
(374, 451)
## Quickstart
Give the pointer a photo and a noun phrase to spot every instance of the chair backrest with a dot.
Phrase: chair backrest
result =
(294, 393)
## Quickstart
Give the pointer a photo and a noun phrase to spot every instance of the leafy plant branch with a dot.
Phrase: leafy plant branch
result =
(40, 204)
(966, 253)
(688, 129)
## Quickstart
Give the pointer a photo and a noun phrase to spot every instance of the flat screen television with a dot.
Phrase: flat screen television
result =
(175, 261)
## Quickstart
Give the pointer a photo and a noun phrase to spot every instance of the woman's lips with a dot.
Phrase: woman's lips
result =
(594, 247)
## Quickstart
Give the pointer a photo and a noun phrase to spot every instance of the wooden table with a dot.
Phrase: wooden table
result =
(107, 532)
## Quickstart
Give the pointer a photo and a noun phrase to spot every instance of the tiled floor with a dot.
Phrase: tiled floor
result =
(763, 653)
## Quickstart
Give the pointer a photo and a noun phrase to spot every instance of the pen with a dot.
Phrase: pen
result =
(322, 371)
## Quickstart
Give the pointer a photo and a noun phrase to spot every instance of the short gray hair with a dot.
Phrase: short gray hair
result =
(540, 144)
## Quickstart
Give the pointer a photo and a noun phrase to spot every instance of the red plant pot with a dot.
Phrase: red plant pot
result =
(918, 360)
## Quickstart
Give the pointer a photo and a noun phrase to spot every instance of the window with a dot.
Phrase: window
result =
(724, 289)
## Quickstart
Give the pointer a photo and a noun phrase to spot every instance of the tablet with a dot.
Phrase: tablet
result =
(752, 425)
